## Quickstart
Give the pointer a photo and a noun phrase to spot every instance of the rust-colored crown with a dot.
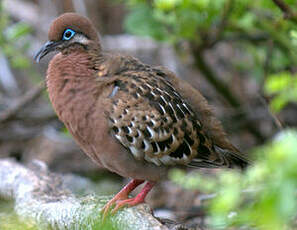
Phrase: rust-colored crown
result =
(72, 21)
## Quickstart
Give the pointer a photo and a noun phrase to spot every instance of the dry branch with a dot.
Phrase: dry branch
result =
(23, 101)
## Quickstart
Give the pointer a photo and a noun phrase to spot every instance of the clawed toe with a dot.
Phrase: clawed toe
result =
(106, 208)
(122, 203)
(121, 199)
(119, 204)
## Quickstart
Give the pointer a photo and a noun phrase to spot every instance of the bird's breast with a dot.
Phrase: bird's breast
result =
(73, 92)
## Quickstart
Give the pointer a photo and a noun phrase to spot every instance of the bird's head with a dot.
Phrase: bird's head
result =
(66, 31)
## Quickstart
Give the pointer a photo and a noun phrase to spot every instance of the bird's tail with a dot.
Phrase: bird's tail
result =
(233, 159)
(222, 158)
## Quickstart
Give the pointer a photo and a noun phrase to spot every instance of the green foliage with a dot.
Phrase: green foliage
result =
(191, 19)
(284, 88)
(12, 43)
(262, 197)
(172, 20)
(266, 40)
(146, 24)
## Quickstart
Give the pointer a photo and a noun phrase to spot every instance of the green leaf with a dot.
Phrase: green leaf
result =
(166, 4)
(293, 34)
(141, 22)
(277, 82)
(17, 31)
(284, 88)
(278, 103)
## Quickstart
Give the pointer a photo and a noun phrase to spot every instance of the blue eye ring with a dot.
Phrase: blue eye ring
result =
(68, 34)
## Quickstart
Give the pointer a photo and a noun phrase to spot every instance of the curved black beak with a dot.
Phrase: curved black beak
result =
(45, 49)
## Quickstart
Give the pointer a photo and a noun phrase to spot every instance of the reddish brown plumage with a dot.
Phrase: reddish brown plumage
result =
(81, 104)
(133, 119)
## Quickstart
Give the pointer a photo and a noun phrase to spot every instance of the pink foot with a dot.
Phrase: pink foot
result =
(134, 201)
(122, 195)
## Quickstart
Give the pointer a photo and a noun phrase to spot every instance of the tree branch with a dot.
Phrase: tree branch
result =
(220, 86)
(285, 8)
(29, 96)
(224, 22)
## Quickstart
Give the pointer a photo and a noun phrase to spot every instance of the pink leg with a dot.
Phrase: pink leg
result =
(122, 195)
(136, 200)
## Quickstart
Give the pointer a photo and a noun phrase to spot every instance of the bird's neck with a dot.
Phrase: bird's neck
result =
(71, 79)
(92, 53)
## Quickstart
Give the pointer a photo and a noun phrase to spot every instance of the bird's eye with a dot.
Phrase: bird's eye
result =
(68, 34)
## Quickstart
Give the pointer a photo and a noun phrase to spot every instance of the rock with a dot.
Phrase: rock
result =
(42, 196)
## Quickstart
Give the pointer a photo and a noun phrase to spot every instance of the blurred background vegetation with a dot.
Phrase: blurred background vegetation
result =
(240, 54)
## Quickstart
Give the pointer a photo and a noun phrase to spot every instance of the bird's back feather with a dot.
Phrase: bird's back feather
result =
(156, 123)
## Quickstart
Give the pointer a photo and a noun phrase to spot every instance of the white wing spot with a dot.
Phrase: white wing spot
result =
(152, 132)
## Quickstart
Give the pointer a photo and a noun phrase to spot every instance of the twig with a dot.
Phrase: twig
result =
(272, 115)
(30, 96)
(269, 53)
(253, 38)
(283, 42)
(224, 21)
(285, 8)
(220, 86)
(214, 36)
(36, 119)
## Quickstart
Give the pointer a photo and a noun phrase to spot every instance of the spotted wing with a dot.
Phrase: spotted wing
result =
(151, 119)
